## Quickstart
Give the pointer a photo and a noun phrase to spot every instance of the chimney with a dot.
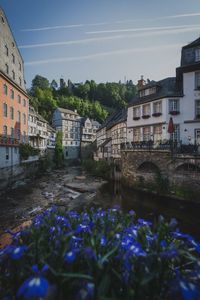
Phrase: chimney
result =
(141, 83)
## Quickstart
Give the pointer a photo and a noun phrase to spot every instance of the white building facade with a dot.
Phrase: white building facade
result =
(176, 98)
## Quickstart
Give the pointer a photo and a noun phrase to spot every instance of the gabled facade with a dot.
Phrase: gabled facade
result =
(111, 135)
(69, 123)
(41, 134)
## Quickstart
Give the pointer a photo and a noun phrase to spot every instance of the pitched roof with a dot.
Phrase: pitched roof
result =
(165, 88)
(119, 117)
(68, 111)
(195, 43)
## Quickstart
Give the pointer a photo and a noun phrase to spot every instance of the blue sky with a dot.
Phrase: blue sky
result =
(104, 40)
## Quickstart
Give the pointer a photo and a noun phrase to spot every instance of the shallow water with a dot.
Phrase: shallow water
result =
(150, 206)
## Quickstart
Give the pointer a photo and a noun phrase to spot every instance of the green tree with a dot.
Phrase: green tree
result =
(39, 82)
(59, 154)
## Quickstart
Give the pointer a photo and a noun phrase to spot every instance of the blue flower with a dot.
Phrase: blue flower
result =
(70, 256)
(82, 228)
(17, 252)
(103, 241)
(144, 223)
(89, 253)
(137, 250)
(189, 290)
(33, 287)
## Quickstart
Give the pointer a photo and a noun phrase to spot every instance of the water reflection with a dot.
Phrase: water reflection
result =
(150, 206)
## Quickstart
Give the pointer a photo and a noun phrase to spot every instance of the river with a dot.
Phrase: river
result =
(17, 206)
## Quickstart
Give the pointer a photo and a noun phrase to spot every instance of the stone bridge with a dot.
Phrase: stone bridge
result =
(144, 164)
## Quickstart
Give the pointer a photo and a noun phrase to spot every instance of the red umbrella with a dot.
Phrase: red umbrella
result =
(171, 126)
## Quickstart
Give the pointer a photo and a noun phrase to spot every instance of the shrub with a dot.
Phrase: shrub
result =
(100, 254)
(26, 150)
(97, 168)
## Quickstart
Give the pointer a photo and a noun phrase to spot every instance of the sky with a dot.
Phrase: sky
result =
(103, 40)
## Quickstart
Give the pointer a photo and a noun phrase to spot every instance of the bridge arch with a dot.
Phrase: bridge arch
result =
(187, 167)
(148, 167)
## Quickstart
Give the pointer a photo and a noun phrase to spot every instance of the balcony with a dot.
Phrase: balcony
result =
(8, 141)
(175, 147)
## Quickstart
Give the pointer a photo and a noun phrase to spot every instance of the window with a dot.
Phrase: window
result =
(13, 75)
(197, 54)
(5, 110)
(152, 90)
(157, 107)
(136, 112)
(5, 130)
(6, 50)
(24, 119)
(19, 116)
(12, 94)
(12, 113)
(174, 105)
(142, 93)
(197, 80)
(136, 134)
(20, 81)
(157, 131)
(175, 136)
(20, 66)
(12, 132)
(13, 44)
(146, 133)
(197, 109)
(146, 110)
(7, 153)
(7, 68)
(13, 58)
(24, 102)
(18, 134)
(19, 98)
(5, 89)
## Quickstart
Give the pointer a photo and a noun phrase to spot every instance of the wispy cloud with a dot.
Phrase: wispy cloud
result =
(101, 54)
(180, 16)
(172, 30)
(143, 29)
(69, 26)
(63, 27)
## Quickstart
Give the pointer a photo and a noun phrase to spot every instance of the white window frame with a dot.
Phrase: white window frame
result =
(174, 105)
(136, 112)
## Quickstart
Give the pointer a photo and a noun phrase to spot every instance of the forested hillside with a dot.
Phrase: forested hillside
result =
(90, 99)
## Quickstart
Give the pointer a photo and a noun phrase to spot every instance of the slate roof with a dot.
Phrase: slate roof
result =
(67, 111)
(195, 43)
(115, 118)
(119, 117)
(165, 88)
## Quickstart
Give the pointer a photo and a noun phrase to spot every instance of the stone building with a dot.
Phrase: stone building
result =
(176, 98)
(69, 123)
(14, 101)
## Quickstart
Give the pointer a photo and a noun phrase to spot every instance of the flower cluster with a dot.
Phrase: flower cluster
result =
(100, 254)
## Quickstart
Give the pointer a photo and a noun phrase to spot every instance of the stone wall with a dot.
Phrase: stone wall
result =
(142, 165)
(17, 173)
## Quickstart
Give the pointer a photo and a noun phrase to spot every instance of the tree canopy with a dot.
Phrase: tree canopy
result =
(90, 99)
